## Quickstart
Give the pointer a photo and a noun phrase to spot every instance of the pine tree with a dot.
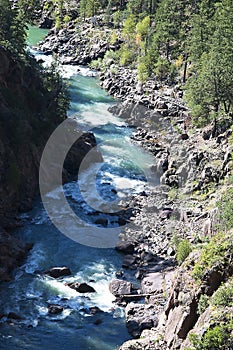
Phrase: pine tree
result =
(28, 9)
(201, 29)
(83, 8)
(92, 7)
(142, 7)
(12, 28)
(169, 19)
(142, 34)
(210, 89)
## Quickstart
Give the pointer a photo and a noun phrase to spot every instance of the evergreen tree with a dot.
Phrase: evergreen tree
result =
(210, 89)
(142, 33)
(169, 20)
(142, 7)
(83, 8)
(201, 29)
(92, 7)
(129, 29)
(12, 28)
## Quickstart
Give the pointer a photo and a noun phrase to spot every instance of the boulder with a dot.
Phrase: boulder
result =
(55, 309)
(146, 342)
(125, 247)
(101, 221)
(14, 316)
(165, 213)
(157, 282)
(129, 261)
(95, 309)
(81, 287)
(46, 23)
(119, 287)
(57, 272)
(184, 136)
(12, 253)
(140, 317)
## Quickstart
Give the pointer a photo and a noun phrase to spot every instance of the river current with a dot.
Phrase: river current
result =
(30, 293)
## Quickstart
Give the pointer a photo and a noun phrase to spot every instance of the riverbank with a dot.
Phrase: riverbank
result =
(194, 169)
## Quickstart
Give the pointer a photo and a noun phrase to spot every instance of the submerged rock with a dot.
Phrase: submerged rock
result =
(55, 309)
(95, 309)
(14, 316)
(81, 287)
(57, 272)
(98, 321)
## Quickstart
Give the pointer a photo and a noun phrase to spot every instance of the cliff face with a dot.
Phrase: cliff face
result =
(31, 107)
(25, 125)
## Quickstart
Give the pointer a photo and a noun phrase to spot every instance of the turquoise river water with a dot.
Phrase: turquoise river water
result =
(30, 293)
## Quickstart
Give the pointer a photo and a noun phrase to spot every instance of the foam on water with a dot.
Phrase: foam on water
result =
(68, 71)
(59, 288)
(96, 115)
(39, 56)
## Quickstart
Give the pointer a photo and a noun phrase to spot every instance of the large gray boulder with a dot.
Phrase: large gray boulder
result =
(119, 287)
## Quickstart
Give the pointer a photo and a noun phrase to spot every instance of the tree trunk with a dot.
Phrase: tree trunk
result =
(185, 67)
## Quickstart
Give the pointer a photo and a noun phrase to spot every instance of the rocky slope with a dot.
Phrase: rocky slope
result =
(29, 112)
(194, 169)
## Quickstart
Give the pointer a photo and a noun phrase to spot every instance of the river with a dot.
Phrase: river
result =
(30, 293)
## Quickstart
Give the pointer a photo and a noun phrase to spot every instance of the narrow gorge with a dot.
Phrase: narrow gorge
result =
(133, 249)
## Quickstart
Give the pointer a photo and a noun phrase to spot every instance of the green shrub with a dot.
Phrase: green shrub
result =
(183, 250)
(96, 64)
(142, 71)
(162, 68)
(126, 56)
(224, 295)
(225, 207)
(172, 194)
(216, 338)
(217, 252)
(113, 38)
(202, 304)
(66, 19)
